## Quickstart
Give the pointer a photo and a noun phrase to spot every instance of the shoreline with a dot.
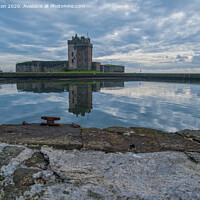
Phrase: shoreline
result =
(141, 76)
(111, 139)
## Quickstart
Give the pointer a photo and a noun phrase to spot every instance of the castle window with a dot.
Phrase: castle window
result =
(72, 60)
(74, 47)
(72, 53)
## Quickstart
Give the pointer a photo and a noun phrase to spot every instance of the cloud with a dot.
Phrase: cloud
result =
(196, 59)
(161, 58)
(139, 34)
(181, 58)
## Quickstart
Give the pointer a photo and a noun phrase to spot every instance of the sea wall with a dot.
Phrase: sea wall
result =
(46, 162)
(96, 66)
(132, 76)
(63, 66)
(42, 66)
(112, 68)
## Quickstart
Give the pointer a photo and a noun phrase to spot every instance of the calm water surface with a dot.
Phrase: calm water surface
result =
(165, 106)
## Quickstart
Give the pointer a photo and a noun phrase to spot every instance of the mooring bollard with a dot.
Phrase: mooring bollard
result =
(50, 121)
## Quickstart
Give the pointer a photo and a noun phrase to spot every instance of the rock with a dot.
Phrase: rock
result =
(194, 156)
(99, 175)
(24, 176)
(1, 178)
(37, 161)
(47, 177)
(175, 142)
(34, 135)
(97, 139)
(88, 174)
(11, 192)
(144, 140)
(118, 130)
(8, 153)
(95, 195)
(193, 134)
(140, 139)
(112, 139)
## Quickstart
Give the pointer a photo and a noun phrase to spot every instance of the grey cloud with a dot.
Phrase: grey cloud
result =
(114, 27)
(196, 59)
(181, 58)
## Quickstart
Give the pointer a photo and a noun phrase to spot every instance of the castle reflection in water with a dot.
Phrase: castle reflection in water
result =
(80, 93)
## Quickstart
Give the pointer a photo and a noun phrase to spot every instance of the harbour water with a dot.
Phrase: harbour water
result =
(159, 105)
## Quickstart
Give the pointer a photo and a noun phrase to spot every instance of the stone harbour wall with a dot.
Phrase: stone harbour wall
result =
(89, 163)
(112, 68)
(62, 66)
(42, 66)
(96, 66)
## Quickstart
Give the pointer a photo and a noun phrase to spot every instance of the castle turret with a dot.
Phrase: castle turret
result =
(80, 53)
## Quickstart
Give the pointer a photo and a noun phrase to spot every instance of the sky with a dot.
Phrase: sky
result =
(143, 35)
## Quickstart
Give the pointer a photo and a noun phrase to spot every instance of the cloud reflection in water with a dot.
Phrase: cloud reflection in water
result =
(165, 106)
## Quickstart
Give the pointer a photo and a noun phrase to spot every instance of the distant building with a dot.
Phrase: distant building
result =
(79, 58)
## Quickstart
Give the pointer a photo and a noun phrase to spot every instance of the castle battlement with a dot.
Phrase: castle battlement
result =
(82, 41)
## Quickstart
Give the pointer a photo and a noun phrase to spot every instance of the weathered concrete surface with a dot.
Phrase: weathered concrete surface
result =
(192, 134)
(34, 135)
(97, 139)
(92, 172)
(195, 156)
(112, 139)
(8, 153)
(149, 140)
(95, 175)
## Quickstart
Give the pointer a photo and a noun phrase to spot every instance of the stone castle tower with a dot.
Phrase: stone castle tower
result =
(80, 53)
